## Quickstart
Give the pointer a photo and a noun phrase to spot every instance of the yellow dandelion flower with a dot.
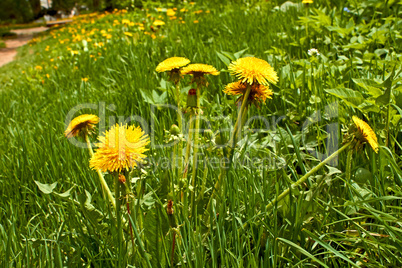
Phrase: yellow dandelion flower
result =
(199, 69)
(128, 34)
(364, 133)
(85, 79)
(307, 1)
(252, 70)
(258, 93)
(172, 64)
(80, 124)
(170, 12)
(158, 23)
(121, 148)
(196, 21)
(39, 68)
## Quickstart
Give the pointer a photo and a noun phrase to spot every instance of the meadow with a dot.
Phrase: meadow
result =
(298, 166)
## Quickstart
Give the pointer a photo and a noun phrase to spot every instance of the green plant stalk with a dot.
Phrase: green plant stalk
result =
(305, 177)
(171, 183)
(180, 125)
(349, 166)
(387, 124)
(195, 149)
(188, 147)
(118, 218)
(232, 142)
(102, 180)
(239, 121)
(129, 193)
(186, 159)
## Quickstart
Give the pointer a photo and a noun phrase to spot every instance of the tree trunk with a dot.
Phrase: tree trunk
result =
(36, 7)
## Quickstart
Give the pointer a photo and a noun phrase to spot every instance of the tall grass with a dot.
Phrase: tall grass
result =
(328, 221)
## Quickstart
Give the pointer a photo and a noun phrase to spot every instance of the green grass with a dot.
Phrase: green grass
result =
(328, 221)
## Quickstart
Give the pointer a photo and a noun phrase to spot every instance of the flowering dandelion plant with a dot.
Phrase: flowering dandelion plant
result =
(120, 148)
(83, 124)
(363, 133)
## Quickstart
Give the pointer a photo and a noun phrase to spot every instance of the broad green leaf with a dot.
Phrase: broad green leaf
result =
(65, 194)
(372, 87)
(46, 188)
(349, 96)
(223, 58)
(385, 98)
(238, 54)
(89, 210)
(153, 237)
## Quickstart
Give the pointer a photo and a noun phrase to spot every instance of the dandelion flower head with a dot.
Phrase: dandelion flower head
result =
(307, 1)
(173, 63)
(199, 69)
(83, 123)
(121, 148)
(252, 70)
(364, 133)
(258, 93)
(158, 23)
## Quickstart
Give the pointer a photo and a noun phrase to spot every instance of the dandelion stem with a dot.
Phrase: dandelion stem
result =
(305, 177)
(239, 121)
(129, 194)
(195, 149)
(219, 185)
(118, 217)
(105, 187)
(180, 125)
(349, 166)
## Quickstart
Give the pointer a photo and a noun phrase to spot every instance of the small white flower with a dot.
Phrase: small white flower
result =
(313, 52)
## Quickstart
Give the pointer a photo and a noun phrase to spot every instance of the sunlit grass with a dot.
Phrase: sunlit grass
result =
(109, 62)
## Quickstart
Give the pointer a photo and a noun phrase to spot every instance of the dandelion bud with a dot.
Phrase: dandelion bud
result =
(192, 98)
(174, 130)
(169, 208)
(122, 178)
(220, 140)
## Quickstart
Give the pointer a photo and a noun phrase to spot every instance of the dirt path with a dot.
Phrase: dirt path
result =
(8, 53)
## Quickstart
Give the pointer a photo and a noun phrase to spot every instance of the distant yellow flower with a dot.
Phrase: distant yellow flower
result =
(39, 68)
(199, 69)
(81, 124)
(258, 93)
(364, 133)
(85, 79)
(158, 23)
(307, 1)
(159, 9)
(252, 70)
(196, 21)
(121, 148)
(170, 12)
(128, 34)
(172, 64)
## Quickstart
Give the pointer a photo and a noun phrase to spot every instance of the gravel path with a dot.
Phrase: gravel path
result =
(8, 53)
